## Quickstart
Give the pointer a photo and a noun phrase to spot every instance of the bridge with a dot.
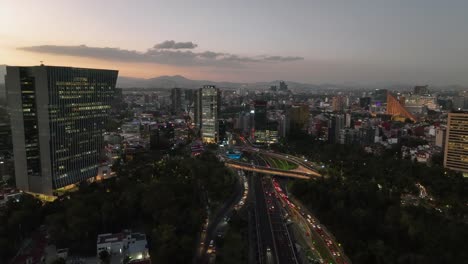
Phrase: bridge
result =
(303, 170)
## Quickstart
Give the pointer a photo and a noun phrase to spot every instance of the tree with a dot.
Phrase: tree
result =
(59, 261)
(104, 257)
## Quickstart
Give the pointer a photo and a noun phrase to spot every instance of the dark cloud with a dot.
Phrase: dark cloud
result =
(210, 54)
(171, 44)
(280, 58)
(169, 56)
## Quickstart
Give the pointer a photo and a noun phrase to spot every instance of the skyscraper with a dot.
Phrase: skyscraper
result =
(260, 120)
(176, 99)
(456, 144)
(338, 103)
(299, 115)
(58, 116)
(207, 108)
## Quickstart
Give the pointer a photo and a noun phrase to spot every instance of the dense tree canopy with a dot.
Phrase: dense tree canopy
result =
(360, 202)
(163, 198)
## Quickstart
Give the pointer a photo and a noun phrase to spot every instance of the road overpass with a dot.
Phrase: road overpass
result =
(299, 173)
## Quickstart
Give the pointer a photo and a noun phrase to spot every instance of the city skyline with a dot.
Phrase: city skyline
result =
(312, 41)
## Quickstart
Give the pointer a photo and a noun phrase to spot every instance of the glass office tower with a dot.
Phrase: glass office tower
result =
(58, 116)
(209, 97)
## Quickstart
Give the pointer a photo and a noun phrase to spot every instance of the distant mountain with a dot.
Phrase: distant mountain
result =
(182, 82)
(169, 82)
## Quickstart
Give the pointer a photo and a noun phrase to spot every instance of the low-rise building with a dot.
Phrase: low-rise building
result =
(124, 244)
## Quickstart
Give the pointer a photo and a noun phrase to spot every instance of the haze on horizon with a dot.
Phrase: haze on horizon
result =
(313, 41)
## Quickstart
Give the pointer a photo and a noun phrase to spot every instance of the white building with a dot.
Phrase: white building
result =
(126, 243)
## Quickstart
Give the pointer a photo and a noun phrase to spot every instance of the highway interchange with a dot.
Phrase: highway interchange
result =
(282, 230)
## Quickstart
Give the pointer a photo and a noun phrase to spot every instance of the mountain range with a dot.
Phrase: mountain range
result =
(182, 82)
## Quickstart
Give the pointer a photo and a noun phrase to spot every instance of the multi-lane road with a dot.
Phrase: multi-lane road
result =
(274, 244)
(271, 212)
(317, 237)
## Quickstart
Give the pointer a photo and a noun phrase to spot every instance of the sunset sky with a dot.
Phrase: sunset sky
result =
(359, 41)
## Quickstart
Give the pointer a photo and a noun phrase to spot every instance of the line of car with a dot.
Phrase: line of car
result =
(332, 247)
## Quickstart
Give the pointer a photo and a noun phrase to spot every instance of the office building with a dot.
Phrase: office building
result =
(176, 100)
(379, 96)
(456, 142)
(337, 124)
(299, 116)
(5, 138)
(260, 121)
(58, 117)
(206, 113)
(421, 90)
(338, 103)
(459, 103)
(440, 134)
(284, 123)
(364, 102)
(187, 103)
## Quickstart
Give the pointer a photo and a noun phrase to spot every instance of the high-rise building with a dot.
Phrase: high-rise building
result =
(284, 125)
(338, 103)
(58, 117)
(364, 102)
(421, 90)
(260, 120)
(206, 113)
(348, 120)
(379, 97)
(176, 99)
(299, 115)
(459, 103)
(260, 115)
(440, 134)
(5, 138)
(337, 124)
(456, 142)
(189, 97)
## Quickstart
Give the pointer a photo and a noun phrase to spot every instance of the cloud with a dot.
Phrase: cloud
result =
(171, 44)
(210, 54)
(166, 52)
(280, 58)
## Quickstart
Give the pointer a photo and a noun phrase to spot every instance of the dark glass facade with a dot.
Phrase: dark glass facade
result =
(79, 102)
(64, 114)
(31, 132)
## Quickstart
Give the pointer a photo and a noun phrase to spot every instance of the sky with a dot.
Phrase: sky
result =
(313, 41)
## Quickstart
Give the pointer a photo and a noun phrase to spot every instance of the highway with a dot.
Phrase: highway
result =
(272, 210)
(317, 236)
(274, 243)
